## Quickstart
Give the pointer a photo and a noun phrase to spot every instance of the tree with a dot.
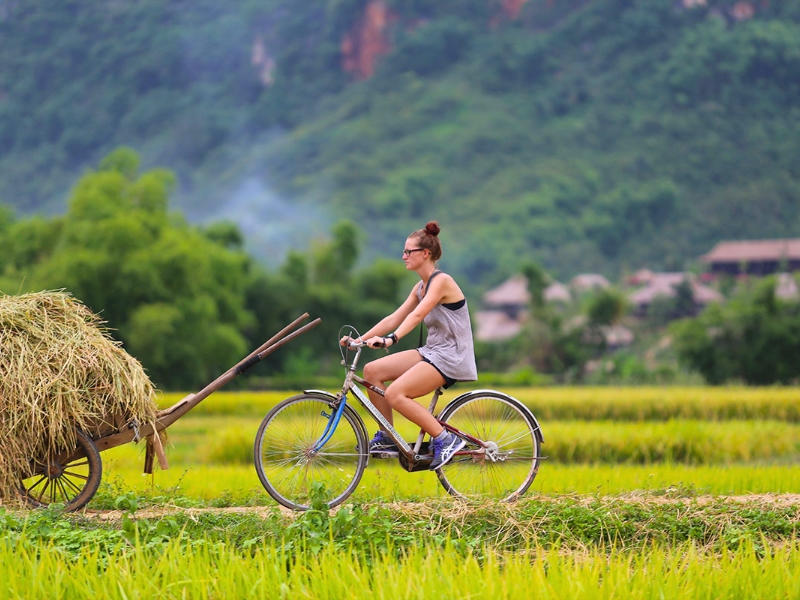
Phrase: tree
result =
(755, 338)
(172, 293)
(538, 280)
(607, 307)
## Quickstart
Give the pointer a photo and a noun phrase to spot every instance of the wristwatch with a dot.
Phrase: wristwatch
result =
(393, 337)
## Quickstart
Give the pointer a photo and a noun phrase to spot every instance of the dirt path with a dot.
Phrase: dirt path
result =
(762, 500)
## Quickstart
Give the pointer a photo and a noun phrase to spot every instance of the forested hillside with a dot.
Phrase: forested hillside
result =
(589, 134)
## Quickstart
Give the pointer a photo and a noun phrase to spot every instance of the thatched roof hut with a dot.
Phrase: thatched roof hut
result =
(557, 292)
(588, 282)
(665, 284)
(495, 326)
(512, 292)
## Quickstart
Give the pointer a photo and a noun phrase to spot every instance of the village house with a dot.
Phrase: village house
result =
(506, 308)
(557, 292)
(589, 282)
(664, 285)
(753, 257)
(511, 297)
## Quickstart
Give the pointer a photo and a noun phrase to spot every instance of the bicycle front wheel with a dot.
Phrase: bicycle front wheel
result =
(289, 468)
(505, 468)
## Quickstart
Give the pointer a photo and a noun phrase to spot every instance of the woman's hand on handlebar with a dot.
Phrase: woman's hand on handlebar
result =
(348, 341)
(379, 342)
(373, 342)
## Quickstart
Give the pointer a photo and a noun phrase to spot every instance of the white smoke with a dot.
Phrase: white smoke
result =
(271, 225)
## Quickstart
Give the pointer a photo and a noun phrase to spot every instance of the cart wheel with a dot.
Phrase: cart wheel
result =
(69, 478)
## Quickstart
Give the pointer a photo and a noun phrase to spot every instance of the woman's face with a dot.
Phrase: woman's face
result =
(413, 255)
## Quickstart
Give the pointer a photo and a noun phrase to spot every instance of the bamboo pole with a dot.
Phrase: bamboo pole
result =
(168, 416)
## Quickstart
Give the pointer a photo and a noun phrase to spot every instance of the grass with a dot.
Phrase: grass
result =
(239, 485)
(229, 439)
(211, 458)
(580, 403)
(602, 530)
(266, 568)
(567, 522)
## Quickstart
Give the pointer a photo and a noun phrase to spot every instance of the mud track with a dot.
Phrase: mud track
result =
(454, 508)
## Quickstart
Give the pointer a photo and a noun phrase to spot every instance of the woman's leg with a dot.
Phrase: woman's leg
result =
(388, 368)
(420, 380)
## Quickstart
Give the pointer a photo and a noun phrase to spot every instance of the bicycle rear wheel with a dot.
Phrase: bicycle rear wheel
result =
(507, 467)
(289, 468)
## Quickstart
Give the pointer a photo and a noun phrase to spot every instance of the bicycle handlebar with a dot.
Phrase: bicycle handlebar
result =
(362, 344)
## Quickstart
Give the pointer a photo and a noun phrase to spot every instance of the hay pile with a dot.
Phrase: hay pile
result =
(60, 370)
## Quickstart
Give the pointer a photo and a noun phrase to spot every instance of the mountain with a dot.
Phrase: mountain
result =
(599, 135)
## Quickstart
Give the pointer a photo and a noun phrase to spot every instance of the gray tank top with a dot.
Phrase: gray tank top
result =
(449, 343)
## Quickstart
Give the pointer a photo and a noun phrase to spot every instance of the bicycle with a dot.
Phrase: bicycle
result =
(317, 437)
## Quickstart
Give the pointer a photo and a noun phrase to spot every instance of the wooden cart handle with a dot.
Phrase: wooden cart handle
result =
(168, 416)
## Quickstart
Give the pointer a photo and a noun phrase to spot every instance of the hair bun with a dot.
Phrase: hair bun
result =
(432, 228)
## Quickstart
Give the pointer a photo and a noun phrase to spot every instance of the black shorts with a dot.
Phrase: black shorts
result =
(448, 381)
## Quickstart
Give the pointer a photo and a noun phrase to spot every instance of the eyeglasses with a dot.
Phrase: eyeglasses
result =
(409, 251)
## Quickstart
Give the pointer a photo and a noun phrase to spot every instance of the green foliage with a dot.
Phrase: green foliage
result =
(185, 300)
(573, 132)
(377, 532)
(538, 280)
(583, 136)
(226, 234)
(607, 307)
(754, 338)
(149, 274)
(121, 160)
(324, 283)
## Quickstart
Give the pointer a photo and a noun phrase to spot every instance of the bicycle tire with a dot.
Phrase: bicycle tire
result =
(501, 420)
(288, 469)
(72, 481)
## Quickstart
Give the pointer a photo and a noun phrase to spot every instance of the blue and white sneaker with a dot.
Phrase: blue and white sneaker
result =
(445, 449)
(382, 443)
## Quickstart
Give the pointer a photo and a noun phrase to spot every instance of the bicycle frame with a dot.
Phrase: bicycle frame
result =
(409, 452)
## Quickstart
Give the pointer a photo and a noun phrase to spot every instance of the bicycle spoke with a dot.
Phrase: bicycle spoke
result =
(286, 464)
(505, 467)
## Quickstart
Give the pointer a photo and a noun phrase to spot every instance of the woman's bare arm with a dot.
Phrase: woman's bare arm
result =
(391, 322)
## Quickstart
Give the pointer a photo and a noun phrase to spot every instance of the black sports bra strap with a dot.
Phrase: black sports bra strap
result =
(434, 274)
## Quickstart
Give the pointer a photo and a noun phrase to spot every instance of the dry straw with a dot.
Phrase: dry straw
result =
(60, 371)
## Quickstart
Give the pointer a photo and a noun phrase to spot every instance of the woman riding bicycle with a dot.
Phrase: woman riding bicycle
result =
(447, 356)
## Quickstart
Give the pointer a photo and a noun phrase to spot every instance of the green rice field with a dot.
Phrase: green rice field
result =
(598, 441)
(646, 493)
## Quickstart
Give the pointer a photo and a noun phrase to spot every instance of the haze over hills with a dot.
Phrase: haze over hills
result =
(587, 135)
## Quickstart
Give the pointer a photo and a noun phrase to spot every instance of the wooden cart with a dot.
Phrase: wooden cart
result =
(72, 477)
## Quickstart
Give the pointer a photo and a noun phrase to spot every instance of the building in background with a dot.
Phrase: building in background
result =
(665, 285)
(753, 257)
